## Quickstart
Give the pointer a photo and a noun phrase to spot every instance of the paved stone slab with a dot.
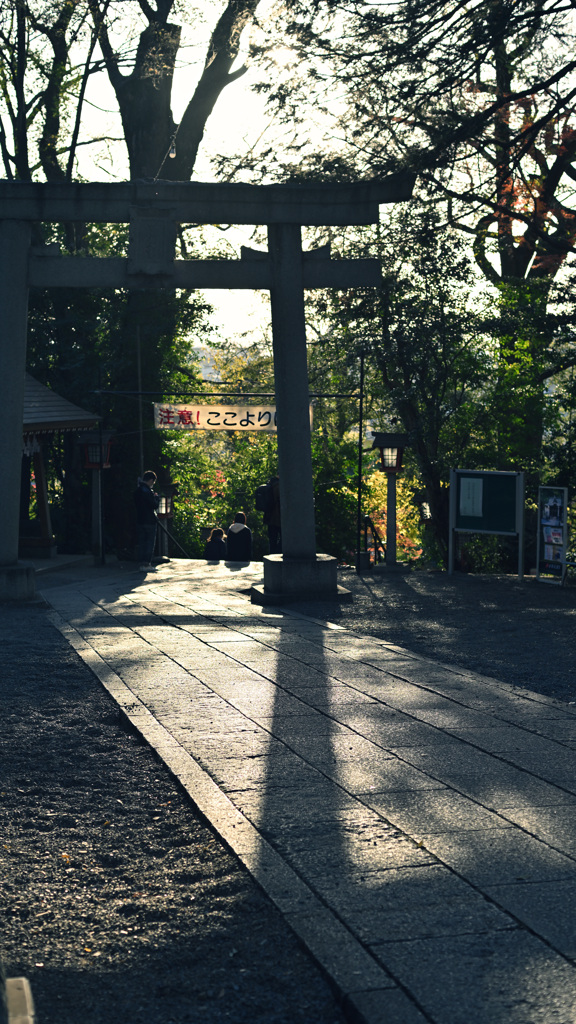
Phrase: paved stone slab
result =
(453, 756)
(283, 770)
(384, 1006)
(382, 773)
(494, 856)
(392, 729)
(318, 853)
(562, 731)
(467, 915)
(555, 825)
(390, 886)
(506, 787)
(503, 977)
(414, 822)
(500, 738)
(555, 764)
(273, 808)
(515, 709)
(434, 811)
(332, 945)
(545, 907)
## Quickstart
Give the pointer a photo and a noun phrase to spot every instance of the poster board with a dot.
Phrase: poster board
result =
(486, 501)
(552, 545)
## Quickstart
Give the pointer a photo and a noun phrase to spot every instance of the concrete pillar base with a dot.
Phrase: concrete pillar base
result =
(17, 582)
(299, 579)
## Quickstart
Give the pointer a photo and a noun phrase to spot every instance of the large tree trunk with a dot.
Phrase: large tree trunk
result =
(144, 96)
(144, 99)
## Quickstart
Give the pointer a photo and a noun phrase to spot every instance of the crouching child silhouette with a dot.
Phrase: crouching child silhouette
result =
(215, 546)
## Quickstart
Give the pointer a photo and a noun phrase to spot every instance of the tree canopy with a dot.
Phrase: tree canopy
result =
(478, 98)
(52, 49)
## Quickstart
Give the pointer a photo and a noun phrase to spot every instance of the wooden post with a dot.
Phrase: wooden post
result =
(360, 561)
(97, 544)
(42, 501)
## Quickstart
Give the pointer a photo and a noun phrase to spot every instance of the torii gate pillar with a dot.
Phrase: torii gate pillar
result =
(299, 572)
(17, 581)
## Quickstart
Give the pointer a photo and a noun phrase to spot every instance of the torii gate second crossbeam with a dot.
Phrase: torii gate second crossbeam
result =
(154, 211)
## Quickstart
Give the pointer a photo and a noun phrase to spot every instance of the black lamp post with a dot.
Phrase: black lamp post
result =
(362, 560)
(391, 448)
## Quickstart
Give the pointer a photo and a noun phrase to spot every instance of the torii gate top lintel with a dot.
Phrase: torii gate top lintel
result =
(153, 209)
(306, 203)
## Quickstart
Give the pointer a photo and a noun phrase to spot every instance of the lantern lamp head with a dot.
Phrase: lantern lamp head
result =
(164, 505)
(96, 446)
(166, 500)
(391, 447)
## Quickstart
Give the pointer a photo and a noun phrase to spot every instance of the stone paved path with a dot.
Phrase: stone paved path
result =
(415, 823)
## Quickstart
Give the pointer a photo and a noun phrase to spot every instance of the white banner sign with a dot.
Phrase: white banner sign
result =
(214, 417)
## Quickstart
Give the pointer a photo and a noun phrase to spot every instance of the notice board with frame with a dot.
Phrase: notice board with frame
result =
(486, 501)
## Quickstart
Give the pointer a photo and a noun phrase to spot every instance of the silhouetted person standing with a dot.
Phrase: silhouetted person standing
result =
(146, 502)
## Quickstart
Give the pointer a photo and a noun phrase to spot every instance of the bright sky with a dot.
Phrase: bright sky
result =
(237, 124)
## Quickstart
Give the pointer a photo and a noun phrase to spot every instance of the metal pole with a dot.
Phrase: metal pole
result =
(101, 558)
(391, 520)
(173, 539)
(451, 521)
(140, 414)
(97, 516)
(520, 522)
(360, 442)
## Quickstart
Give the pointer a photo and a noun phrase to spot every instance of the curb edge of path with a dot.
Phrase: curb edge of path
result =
(368, 993)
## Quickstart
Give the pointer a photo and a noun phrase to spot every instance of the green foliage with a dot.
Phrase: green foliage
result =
(427, 362)
(410, 535)
(334, 469)
(97, 348)
(480, 554)
(559, 451)
(218, 476)
(460, 94)
(523, 332)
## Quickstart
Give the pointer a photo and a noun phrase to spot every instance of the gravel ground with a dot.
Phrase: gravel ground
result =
(117, 902)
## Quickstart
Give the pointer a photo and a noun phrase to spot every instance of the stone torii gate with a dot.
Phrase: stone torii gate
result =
(154, 210)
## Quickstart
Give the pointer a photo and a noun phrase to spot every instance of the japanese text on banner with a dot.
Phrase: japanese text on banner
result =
(214, 417)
